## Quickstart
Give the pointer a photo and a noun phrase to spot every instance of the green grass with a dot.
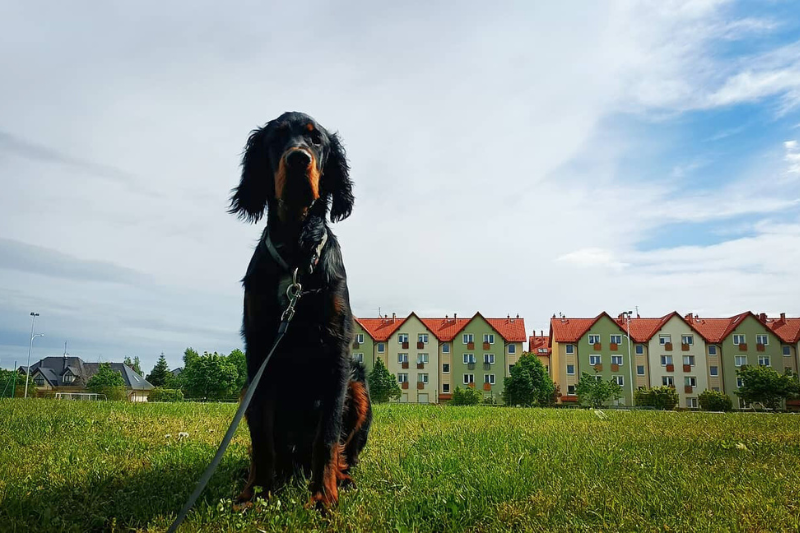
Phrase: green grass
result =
(82, 466)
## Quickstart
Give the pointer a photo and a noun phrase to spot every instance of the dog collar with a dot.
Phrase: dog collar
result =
(282, 262)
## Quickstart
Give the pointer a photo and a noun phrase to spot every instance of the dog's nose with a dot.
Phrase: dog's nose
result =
(298, 159)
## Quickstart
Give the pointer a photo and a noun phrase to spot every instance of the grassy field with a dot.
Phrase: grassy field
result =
(80, 466)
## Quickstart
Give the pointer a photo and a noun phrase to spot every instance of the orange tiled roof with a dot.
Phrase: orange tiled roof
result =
(380, 329)
(510, 328)
(787, 329)
(572, 329)
(714, 330)
(537, 342)
(445, 329)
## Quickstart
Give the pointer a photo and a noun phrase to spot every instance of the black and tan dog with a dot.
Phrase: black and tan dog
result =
(311, 411)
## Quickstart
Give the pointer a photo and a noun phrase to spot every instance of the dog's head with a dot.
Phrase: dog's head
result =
(289, 164)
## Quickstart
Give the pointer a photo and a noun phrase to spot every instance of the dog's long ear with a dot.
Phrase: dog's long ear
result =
(249, 199)
(336, 180)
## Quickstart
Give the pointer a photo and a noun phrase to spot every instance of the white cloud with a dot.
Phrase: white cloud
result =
(792, 157)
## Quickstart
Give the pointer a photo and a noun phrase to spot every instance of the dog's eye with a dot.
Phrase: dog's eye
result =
(315, 137)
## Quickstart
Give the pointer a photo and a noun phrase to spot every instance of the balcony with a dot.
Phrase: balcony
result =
(686, 347)
(598, 367)
(420, 366)
(668, 346)
(670, 368)
(404, 385)
(487, 386)
(420, 385)
(687, 368)
(471, 385)
(356, 345)
(405, 345)
(470, 346)
(688, 389)
(597, 346)
(471, 366)
(487, 366)
(743, 347)
(760, 347)
(404, 364)
(486, 346)
(614, 346)
(420, 345)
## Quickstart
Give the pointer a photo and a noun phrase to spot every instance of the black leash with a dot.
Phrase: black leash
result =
(294, 292)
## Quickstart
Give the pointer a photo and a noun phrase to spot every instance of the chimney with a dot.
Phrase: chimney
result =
(517, 315)
(762, 317)
(783, 317)
(455, 316)
(542, 333)
(394, 317)
(688, 317)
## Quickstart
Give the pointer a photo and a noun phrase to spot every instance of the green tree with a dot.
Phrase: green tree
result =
(529, 383)
(239, 360)
(135, 365)
(762, 384)
(107, 381)
(468, 396)
(711, 400)
(594, 392)
(8, 379)
(160, 374)
(210, 376)
(189, 355)
(382, 384)
(663, 397)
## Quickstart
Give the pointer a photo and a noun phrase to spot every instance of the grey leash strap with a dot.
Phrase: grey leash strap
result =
(293, 292)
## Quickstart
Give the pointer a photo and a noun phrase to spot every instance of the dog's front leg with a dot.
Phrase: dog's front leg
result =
(261, 421)
(328, 466)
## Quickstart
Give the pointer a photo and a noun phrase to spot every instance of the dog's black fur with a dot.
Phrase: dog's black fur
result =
(311, 411)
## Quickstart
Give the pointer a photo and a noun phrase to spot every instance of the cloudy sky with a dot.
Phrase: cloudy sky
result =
(509, 157)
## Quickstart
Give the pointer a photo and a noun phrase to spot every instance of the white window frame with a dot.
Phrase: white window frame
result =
(615, 336)
(401, 337)
(488, 358)
(573, 370)
(569, 349)
(639, 349)
(689, 338)
(667, 381)
(666, 360)
(687, 357)
(711, 370)
(595, 357)
(691, 403)
(741, 337)
(665, 338)
(761, 358)
(445, 371)
(422, 358)
(402, 377)
(360, 338)
(445, 388)
(468, 378)
(740, 382)
(712, 349)
(619, 380)
(468, 338)
(512, 349)
(422, 337)
(570, 393)
(422, 377)
(488, 337)
(594, 338)
(359, 357)
(740, 360)
(469, 358)
(488, 378)
(402, 357)
(637, 370)
(617, 358)
(787, 350)
(763, 337)
(689, 381)
(381, 347)
(446, 347)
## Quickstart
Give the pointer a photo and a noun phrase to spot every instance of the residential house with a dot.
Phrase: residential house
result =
(539, 345)
(445, 330)
(67, 374)
(363, 348)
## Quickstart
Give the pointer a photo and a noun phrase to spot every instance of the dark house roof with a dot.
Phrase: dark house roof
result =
(55, 368)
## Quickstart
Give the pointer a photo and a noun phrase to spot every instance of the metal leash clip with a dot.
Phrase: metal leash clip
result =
(293, 292)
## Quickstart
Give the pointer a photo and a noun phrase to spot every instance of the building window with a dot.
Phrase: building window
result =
(713, 370)
(787, 351)
(741, 360)
(762, 339)
(570, 370)
(668, 381)
(570, 349)
(39, 381)
(688, 360)
(715, 389)
(402, 337)
(763, 360)
(616, 360)
(445, 368)
(616, 339)
(594, 339)
(469, 378)
(422, 337)
(687, 339)
(402, 378)
(422, 378)
(664, 339)
(510, 368)
(739, 339)
(488, 358)
(618, 380)
(359, 357)
(512, 349)
(594, 359)
(469, 358)
(640, 370)
(69, 378)
(488, 337)
(445, 387)
(690, 381)
(468, 338)
(666, 360)
(691, 403)
(446, 348)
(402, 358)
(712, 350)
(740, 382)
(488, 378)
(422, 358)
(360, 338)
(639, 349)
(571, 390)
(381, 347)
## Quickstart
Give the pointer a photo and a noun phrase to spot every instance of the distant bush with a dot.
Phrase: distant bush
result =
(711, 400)
(659, 397)
(468, 396)
(160, 394)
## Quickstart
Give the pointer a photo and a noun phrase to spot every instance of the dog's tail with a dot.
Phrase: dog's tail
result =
(358, 371)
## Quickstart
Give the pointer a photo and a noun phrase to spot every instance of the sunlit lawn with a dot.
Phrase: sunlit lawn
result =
(78, 466)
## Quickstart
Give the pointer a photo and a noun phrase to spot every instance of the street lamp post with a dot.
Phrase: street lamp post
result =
(30, 348)
(630, 358)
